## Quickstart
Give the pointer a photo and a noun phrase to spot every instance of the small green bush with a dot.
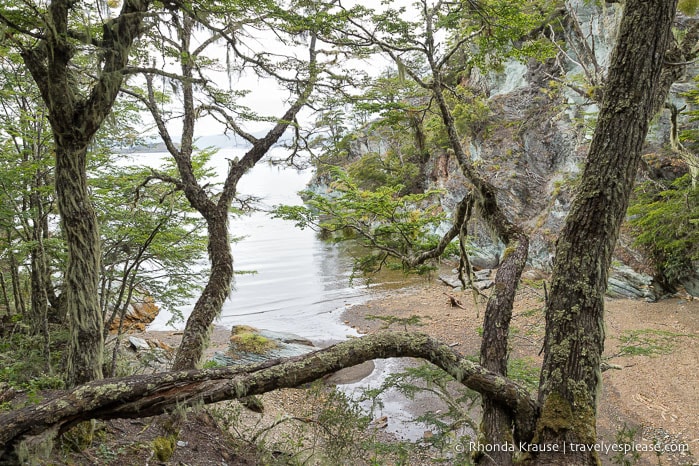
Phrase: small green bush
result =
(665, 223)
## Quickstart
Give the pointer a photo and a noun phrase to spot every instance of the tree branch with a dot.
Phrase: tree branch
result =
(148, 395)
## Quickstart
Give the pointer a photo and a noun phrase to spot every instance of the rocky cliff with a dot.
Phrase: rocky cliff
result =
(533, 140)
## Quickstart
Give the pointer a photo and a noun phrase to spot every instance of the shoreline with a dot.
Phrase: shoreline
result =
(657, 393)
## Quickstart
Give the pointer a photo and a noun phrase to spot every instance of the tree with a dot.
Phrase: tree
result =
(566, 407)
(147, 395)
(570, 376)
(26, 190)
(416, 49)
(54, 42)
(635, 90)
(151, 242)
(201, 98)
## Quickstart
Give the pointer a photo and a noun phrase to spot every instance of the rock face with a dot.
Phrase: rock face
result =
(533, 143)
(624, 282)
(138, 316)
(533, 146)
(141, 355)
(250, 345)
(691, 285)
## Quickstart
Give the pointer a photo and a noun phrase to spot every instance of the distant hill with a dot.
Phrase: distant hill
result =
(220, 141)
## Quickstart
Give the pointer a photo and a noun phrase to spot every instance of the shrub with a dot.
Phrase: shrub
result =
(665, 223)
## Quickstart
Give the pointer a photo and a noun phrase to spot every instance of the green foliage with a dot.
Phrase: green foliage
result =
(454, 424)
(371, 171)
(688, 7)
(648, 342)
(211, 364)
(525, 371)
(413, 320)
(150, 239)
(512, 21)
(626, 437)
(665, 223)
(80, 437)
(23, 364)
(392, 226)
(329, 428)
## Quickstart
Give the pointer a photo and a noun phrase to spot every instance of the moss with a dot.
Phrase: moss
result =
(556, 414)
(252, 343)
(688, 7)
(238, 329)
(80, 437)
(584, 421)
(508, 250)
(164, 447)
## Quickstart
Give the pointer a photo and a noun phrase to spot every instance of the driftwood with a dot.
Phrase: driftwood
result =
(455, 302)
(148, 395)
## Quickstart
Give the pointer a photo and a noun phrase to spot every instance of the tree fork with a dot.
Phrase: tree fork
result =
(497, 425)
(149, 395)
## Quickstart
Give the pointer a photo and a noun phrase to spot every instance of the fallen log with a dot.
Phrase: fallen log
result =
(148, 395)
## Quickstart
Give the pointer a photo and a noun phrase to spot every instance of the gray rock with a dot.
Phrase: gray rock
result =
(451, 281)
(484, 257)
(691, 285)
(286, 345)
(286, 337)
(139, 344)
(484, 284)
(624, 282)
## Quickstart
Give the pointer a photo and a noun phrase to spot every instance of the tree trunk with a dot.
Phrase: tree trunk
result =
(571, 377)
(39, 298)
(76, 111)
(81, 297)
(148, 395)
(496, 425)
(15, 280)
(40, 276)
(208, 306)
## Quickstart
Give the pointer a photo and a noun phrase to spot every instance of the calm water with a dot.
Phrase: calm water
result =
(301, 284)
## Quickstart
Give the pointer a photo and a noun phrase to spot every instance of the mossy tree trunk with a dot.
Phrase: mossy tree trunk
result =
(208, 306)
(213, 208)
(75, 114)
(570, 378)
(497, 426)
(148, 395)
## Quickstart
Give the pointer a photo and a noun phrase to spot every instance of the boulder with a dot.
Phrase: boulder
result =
(139, 344)
(485, 257)
(250, 345)
(137, 317)
(691, 285)
(624, 282)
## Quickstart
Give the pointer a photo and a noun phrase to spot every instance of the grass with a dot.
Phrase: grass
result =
(251, 342)
(648, 342)
(524, 370)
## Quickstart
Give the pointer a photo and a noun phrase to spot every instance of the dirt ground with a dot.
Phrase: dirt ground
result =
(655, 394)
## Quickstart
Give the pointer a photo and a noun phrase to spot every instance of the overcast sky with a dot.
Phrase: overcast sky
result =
(266, 97)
